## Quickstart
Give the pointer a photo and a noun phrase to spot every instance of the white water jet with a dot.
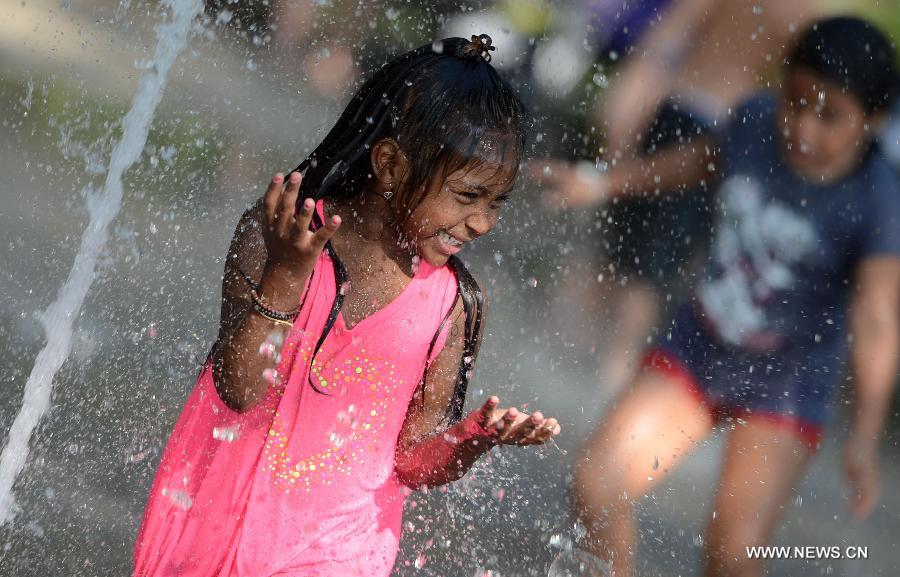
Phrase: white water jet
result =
(58, 318)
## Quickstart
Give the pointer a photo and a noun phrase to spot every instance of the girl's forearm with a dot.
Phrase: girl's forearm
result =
(444, 457)
(238, 366)
(874, 366)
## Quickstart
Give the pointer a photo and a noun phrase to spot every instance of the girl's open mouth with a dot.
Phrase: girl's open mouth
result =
(449, 244)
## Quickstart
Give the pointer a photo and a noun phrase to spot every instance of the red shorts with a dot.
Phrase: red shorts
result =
(663, 360)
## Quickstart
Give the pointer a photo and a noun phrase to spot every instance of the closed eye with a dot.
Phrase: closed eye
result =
(469, 196)
(499, 201)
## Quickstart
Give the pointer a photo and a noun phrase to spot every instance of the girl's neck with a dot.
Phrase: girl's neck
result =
(369, 233)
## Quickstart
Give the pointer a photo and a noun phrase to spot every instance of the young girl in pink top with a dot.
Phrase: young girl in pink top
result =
(344, 352)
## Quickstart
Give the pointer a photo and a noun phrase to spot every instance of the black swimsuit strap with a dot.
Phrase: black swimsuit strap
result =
(473, 305)
(340, 280)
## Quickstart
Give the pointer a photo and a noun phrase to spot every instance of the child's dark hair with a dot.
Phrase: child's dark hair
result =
(852, 53)
(439, 102)
(447, 109)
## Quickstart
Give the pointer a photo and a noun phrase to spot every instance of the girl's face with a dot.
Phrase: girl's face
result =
(460, 209)
(825, 131)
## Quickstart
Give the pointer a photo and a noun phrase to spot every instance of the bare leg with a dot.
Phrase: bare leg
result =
(655, 424)
(763, 462)
(636, 310)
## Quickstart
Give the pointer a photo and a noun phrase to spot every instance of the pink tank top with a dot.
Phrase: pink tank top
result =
(303, 483)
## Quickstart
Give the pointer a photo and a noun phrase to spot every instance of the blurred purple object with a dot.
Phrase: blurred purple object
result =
(618, 24)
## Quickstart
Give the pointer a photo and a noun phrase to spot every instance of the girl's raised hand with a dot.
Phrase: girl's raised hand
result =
(292, 247)
(511, 426)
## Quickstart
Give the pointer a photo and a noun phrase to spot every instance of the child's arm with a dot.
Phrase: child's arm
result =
(875, 323)
(672, 168)
(429, 453)
(277, 252)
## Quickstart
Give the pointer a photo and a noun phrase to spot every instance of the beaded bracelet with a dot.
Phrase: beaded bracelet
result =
(276, 317)
(261, 307)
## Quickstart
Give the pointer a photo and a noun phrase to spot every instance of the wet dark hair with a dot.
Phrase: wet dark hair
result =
(852, 53)
(443, 103)
(447, 109)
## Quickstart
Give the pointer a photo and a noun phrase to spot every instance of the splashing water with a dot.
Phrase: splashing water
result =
(103, 207)
(572, 561)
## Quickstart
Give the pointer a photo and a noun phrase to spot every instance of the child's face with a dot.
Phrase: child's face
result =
(824, 131)
(460, 209)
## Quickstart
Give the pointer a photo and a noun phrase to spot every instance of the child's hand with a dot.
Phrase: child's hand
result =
(291, 246)
(513, 427)
(578, 185)
(861, 473)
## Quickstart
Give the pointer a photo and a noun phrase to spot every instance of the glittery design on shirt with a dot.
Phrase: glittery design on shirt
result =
(356, 429)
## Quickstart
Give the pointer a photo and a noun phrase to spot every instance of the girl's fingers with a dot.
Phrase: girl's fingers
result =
(528, 426)
(288, 205)
(506, 424)
(272, 197)
(325, 233)
(548, 429)
(487, 411)
(303, 218)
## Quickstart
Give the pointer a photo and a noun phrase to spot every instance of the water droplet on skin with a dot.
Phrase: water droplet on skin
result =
(271, 376)
(276, 338)
(267, 350)
(655, 463)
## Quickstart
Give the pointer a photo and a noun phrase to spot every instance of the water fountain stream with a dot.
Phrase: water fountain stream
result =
(103, 207)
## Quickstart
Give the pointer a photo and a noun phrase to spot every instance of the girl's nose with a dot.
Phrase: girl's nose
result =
(480, 223)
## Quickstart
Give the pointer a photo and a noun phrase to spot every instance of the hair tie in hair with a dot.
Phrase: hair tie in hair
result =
(480, 46)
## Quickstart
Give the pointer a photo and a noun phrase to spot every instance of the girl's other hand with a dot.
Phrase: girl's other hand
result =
(578, 185)
(861, 472)
(291, 246)
(510, 426)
